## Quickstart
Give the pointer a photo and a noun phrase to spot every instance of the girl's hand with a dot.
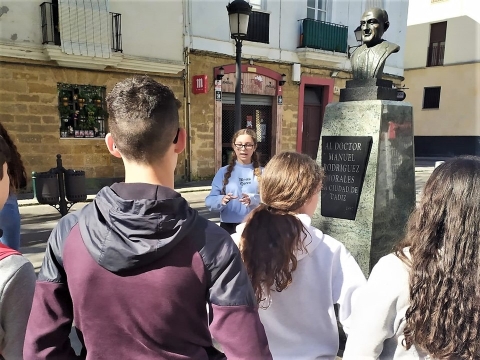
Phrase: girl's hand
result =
(245, 199)
(227, 198)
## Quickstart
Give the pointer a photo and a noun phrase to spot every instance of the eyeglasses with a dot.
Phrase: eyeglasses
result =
(244, 146)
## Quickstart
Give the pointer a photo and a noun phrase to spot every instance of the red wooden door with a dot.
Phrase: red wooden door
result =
(312, 127)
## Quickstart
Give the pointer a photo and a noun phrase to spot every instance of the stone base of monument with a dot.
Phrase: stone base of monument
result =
(366, 149)
(368, 89)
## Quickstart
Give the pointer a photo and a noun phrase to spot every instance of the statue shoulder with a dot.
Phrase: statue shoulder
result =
(391, 47)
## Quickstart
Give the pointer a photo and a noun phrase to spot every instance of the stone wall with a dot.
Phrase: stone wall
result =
(202, 111)
(28, 110)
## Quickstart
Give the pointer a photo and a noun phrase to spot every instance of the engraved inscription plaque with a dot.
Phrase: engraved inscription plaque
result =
(344, 160)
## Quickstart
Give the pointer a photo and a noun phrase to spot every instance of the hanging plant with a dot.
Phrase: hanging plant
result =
(64, 95)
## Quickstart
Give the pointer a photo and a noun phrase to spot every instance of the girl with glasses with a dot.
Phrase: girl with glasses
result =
(423, 300)
(235, 186)
(298, 273)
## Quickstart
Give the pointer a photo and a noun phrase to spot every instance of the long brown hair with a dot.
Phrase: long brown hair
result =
(273, 234)
(256, 165)
(16, 170)
(443, 234)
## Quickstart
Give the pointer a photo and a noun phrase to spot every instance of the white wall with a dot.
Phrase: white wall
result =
(20, 21)
(462, 43)
(150, 28)
(209, 29)
(424, 11)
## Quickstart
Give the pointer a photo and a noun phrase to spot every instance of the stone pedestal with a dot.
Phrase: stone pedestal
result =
(388, 192)
(368, 89)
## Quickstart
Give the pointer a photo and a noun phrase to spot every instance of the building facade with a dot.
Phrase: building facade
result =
(306, 41)
(442, 72)
(58, 59)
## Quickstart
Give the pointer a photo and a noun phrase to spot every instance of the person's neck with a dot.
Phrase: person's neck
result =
(244, 163)
(155, 175)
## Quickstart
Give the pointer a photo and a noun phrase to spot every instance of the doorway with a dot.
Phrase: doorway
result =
(312, 120)
(256, 115)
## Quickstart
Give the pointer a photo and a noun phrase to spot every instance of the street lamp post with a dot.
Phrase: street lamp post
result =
(238, 14)
(358, 37)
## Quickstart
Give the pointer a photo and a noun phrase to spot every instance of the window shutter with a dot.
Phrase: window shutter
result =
(84, 27)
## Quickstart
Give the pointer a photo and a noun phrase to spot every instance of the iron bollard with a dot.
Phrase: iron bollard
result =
(59, 187)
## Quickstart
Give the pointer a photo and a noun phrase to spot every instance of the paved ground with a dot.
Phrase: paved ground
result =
(39, 220)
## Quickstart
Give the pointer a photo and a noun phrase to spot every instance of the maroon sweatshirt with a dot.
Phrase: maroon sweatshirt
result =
(135, 270)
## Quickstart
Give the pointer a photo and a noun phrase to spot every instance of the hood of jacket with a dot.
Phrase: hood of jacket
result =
(130, 225)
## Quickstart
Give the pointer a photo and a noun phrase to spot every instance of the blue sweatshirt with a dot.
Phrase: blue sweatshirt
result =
(242, 181)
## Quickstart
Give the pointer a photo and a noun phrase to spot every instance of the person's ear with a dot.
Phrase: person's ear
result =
(386, 25)
(112, 148)
(179, 146)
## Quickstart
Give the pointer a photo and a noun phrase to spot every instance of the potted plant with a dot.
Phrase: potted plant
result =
(65, 113)
(81, 99)
(90, 121)
(97, 99)
(64, 95)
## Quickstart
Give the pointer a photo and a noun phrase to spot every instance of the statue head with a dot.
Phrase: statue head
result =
(373, 24)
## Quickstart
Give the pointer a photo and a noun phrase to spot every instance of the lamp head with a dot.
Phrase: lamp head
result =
(238, 14)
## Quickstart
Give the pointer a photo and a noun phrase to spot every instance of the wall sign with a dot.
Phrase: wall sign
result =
(252, 83)
(199, 84)
(344, 160)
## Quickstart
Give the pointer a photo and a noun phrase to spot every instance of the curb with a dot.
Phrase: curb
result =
(33, 202)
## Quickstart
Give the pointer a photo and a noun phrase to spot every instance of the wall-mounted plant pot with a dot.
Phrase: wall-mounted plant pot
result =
(45, 188)
(75, 185)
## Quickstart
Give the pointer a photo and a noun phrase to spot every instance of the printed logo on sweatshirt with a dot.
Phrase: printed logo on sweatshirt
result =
(244, 181)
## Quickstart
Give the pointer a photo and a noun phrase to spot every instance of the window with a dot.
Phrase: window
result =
(431, 97)
(256, 4)
(317, 10)
(258, 27)
(374, 4)
(82, 111)
(436, 49)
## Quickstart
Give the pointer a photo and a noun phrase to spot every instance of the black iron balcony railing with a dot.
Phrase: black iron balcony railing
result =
(51, 30)
(323, 35)
(116, 32)
(258, 27)
(436, 52)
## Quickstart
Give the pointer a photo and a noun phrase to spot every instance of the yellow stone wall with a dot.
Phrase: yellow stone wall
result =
(28, 110)
(202, 111)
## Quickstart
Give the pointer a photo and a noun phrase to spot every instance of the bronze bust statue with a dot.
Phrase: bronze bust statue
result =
(368, 60)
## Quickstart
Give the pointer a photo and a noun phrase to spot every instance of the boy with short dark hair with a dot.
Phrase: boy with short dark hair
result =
(136, 268)
(17, 281)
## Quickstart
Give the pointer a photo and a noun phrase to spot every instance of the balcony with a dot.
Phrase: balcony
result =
(258, 27)
(436, 52)
(51, 30)
(323, 35)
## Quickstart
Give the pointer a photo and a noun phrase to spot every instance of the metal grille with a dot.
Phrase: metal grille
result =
(256, 117)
